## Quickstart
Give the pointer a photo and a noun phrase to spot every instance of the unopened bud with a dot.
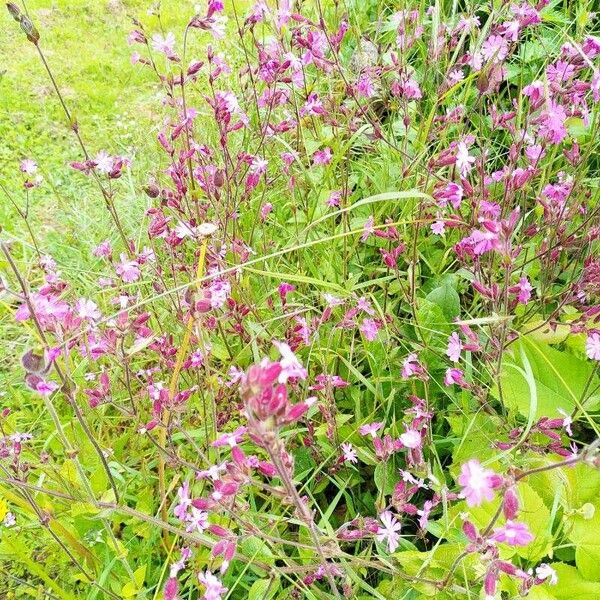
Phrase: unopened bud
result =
(13, 9)
(30, 31)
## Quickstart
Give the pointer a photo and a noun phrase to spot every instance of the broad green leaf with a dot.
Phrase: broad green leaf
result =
(447, 298)
(585, 534)
(263, 589)
(561, 380)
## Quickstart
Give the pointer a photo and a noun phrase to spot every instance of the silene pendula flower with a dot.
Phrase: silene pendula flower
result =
(370, 429)
(592, 346)
(478, 484)
(545, 572)
(128, 270)
(349, 453)
(455, 347)
(390, 531)
(411, 439)
(513, 533)
(369, 329)
(464, 161)
(213, 588)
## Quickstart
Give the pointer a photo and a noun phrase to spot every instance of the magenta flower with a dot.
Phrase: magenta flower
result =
(455, 347)
(390, 532)
(28, 166)
(455, 376)
(322, 157)
(289, 363)
(87, 309)
(370, 429)
(45, 388)
(553, 123)
(513, 533)
(230, 439)
(478, 484)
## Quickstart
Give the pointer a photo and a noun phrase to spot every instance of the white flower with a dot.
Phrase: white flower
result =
(390, 532)
(545, 571)
(592, 346)
(464, 161)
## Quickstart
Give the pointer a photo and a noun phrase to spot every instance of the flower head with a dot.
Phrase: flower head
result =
(477, 483)
(390, 530)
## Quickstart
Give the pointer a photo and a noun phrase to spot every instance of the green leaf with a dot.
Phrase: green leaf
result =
(585, 534)
(447, 298)
(386, 477)
(560, 380)
(571, 585)
(263, 589)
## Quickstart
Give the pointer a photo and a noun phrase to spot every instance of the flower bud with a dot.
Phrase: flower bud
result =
(510, 506)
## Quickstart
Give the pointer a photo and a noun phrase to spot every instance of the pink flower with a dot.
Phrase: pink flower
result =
(411, 366)
(455, 376)
(438, 227)
(390, 532)
(28, 166)
(365, 87)
(411, 439)
(464, 161)
(322, 157)
(45, 388)
(553, 123)
(128, 270)
(369, 329)
(349, 453)
(197, 519)
(88, 309)
(494, 48)
(164, 44)
(284, 289)
(545, 571)
(367, 229)
(213, 588)
(535, 91)
(104, 162)
(523, 289)
(289, 363)
(103, 249)
(513, 533)
(592, 346)
(477, 483)
(370, 429)
(455, 347)
(230, 439)
(183, 493)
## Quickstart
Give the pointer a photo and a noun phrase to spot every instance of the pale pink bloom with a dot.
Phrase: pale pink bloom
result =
(104, 162)
(45, 388)
(524, 289)
(535, 153)
(534, 91)
(495, 48)
(455, 347)
(258, 166)
(477, 483)
(219, 289)
(183, 493)
(367, 229)
(322, 157)
(265, 209)
(513, 533)
(370, 429)
(553, 123)
(567, 421)
(365, 87)
(334, 199)
(545, 571)
(290, 365)
(180, 564)
(438, 227)
(213, 588)
(349, 453)
(164, 44)
(128, 270)
(592, 346)
(369, 329)
(9, 520)
(424, 514)
(411, 439)
(230, 439)
(455, 76)
(411, 366)
(197, 519)
(28, 166)
(103, 249)
(88, 309)
(454, 376)
(364, 304)
(464, 161)
(390, 532)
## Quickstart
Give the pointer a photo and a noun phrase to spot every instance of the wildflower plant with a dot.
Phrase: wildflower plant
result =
(354, 351)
